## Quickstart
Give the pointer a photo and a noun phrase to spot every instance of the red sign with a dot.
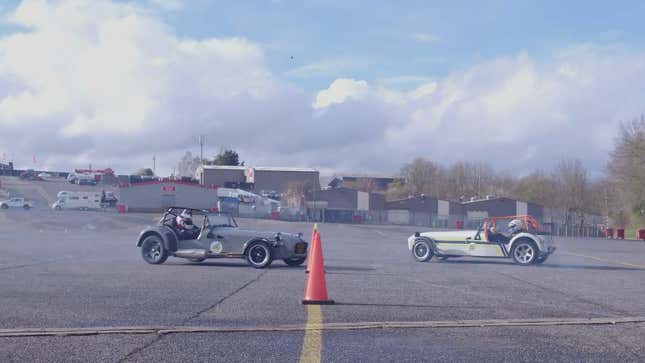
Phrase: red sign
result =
(168, 188)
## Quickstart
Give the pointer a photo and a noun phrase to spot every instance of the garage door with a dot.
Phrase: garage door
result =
(398, 216)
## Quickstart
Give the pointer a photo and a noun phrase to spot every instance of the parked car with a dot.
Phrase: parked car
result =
(219, 237)
(525, 241)
(16, 203)
(45, 175)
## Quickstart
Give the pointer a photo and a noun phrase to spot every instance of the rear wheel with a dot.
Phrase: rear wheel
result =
(26, 206)
(422, 251)
(258, 255)
(153, 251)
(524, 252)
(4, 206)
(294, 261)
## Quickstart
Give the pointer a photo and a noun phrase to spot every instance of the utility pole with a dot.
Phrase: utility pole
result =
(154, 164)
(202, 139)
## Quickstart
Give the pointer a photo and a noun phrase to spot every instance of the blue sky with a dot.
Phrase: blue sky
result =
(336, 85)
(400, 41)
(387, 39)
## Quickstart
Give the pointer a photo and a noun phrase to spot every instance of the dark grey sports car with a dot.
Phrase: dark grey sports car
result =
(218, 237)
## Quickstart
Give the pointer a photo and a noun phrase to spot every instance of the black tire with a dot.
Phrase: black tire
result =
(443, 258)
(4, 206)
(58, 208)
(26, 206)
(294, 261)
(196, 260)
(524, 252)
(258, 255)
(153, 251)
(422, 251)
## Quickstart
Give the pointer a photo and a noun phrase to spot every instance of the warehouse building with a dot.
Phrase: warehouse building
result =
(499, 207)
(367, 183)
(344, 205)
(221, 175)
(425, 211)
(280, 179)
(156, 196)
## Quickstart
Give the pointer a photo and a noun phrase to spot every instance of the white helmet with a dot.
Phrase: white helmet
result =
(515, 226)
(185, 219)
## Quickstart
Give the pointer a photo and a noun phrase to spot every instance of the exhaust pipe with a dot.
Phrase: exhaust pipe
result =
(191, 253)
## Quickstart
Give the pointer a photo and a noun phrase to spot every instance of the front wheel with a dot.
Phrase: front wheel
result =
(26, 206)
(294, 261)
(524, 252)
(421, 251)
(259, 255)
(153, 251)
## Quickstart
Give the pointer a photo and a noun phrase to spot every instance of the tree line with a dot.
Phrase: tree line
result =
(619, 194)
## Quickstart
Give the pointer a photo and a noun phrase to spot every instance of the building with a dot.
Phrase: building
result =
(499, 207)
(424, 211)
(155, 196)
(281, 179)
(344, 205)
(366, 183)
(221, 175)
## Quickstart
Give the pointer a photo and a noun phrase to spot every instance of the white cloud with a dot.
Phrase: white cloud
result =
(109, 83)
(324, 67)
(168, 4)
(425, 37)
(339, 91)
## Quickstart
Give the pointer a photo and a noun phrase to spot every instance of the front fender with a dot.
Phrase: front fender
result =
(246, 244)
(413, 239)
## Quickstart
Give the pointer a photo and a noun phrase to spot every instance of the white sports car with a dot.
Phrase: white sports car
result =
(526, 243)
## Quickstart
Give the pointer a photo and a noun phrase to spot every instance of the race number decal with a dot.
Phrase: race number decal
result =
(216, 247)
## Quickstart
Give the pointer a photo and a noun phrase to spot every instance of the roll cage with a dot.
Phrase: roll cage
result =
(529, 222)
(211, 219)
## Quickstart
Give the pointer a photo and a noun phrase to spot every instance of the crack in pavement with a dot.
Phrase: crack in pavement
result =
(160, 336)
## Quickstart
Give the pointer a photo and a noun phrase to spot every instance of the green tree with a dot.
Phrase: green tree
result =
(227, 157)
(144, 172)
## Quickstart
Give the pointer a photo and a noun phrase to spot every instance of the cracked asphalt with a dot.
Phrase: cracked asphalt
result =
(74, 269)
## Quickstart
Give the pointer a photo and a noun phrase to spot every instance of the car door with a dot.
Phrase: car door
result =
(15, 202)
(482, 246)
(226, 240)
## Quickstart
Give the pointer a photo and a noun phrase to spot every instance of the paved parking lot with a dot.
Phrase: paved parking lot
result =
(81, 270)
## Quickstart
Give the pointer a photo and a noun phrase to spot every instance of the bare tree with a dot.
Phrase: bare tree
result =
(572, 189)
(420, 176)
(188, 165)
(627, 166)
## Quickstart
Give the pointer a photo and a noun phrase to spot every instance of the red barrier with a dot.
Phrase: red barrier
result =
(620, 233)
(459, 224)
(121, 208)
(609, 233)
(641, 234)
(275, 215)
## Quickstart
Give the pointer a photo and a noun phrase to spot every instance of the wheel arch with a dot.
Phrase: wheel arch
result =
(526, 237)
(247, 244)
(168, 238)
(428, 240)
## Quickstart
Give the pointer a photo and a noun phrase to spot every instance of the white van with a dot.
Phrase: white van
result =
(78, 200)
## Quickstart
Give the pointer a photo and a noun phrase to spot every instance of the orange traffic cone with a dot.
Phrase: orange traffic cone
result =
(315, 238)
(316, 289)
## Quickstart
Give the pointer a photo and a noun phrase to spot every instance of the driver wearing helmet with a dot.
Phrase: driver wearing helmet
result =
(185, 227)
(515, 226)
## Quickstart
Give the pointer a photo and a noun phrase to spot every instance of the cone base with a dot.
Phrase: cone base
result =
(318, 302)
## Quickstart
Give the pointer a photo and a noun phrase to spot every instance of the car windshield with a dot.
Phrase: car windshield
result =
(221, 220)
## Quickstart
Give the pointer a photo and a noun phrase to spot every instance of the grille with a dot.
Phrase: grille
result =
(301, 248)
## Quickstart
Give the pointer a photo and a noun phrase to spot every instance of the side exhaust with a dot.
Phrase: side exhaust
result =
(191, 253)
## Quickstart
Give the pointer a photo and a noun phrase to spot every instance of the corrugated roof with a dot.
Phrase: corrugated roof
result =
(277, 168)
(223, 167)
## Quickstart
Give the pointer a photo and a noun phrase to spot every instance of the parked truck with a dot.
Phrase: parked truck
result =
(78, 200)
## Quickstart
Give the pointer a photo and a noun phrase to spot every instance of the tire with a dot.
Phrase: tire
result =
(541, 259)
(153, 251)
(4, 206)
(196, 260)
(422, 251)
(524, 252)
(258, 255)
(294, 261)
(58, 208)
(26, 206)
(444, 258)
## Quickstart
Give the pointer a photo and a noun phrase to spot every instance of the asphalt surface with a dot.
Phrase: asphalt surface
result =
(82, 269)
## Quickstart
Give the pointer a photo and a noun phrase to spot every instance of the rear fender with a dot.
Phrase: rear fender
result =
(538, 242)
(167, 235)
